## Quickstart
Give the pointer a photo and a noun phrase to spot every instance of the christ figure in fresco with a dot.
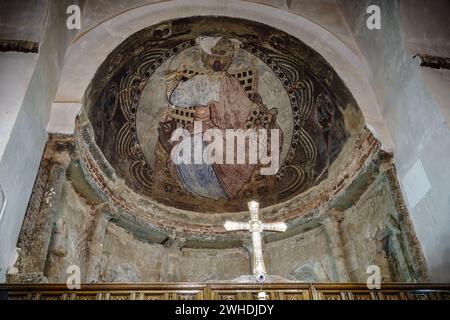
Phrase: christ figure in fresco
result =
(218, 101)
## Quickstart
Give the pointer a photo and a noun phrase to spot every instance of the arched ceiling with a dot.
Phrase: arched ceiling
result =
(333, 40)
(280, 83)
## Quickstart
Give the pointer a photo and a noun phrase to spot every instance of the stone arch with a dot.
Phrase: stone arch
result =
(99, 41)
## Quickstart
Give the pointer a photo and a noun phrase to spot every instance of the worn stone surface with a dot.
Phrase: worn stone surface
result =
(69, 237)
(305, 257)
(216, 264)
(125, 259)
(370, 239)
(365, 224)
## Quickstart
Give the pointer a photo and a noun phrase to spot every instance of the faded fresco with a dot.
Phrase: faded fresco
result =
(233, 75)
(215, 83)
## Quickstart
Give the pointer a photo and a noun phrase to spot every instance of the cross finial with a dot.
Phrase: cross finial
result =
(253, 207)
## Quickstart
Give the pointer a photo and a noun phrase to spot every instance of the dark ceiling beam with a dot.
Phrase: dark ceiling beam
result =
(434, 62)
(7, 45)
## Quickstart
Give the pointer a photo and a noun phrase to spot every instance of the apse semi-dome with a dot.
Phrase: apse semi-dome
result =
(230, 74)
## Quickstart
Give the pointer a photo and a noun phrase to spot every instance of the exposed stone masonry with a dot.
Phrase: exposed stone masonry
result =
(365, 223)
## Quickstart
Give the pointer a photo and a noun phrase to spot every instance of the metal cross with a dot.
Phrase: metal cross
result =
(255, 226)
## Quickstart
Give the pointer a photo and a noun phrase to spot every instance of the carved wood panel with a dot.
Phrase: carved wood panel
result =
(286, 291)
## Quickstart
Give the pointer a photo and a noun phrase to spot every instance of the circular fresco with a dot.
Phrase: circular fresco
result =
(206, 80)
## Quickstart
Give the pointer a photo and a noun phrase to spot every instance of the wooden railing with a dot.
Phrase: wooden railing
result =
(230, 291)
